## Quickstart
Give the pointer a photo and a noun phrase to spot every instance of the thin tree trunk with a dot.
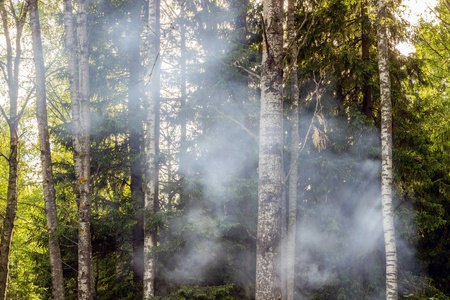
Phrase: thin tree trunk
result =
(79, 92)
(386, 154)
(82, 140)
(136, 147)
(12, 74)
(293, 176)
(151, 141)
(365, 47)
(183, 91)
(46, 159)
(270, 184)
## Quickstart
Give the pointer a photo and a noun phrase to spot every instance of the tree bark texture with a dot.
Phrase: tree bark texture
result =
(270, 182)
(12, 78)
(386, 154)
(293, 168)
(136, 143)
(82, 169)
(151, 143)
(79, 92)
(46, 160)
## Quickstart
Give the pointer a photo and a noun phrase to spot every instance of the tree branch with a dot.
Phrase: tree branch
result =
(254, 136)
(248, 71)
(298, 48)
(300, 150)
(4, 115)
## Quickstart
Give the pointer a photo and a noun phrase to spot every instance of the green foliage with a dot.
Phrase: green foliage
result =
(207, 219)
(223, 292)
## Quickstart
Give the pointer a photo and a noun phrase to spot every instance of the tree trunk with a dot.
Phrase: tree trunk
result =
(46, 160)
(79, 92)
(12, 78)
(136, 147)
(386, 154)
(293, 168)
(183, 94)
(270, 183)
(365, 45)
(151, 141)
(82, 170)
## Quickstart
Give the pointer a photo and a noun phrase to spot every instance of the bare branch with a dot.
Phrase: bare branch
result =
(3, 155)
(291, 43)
(4, 114)
(254, 136)
(316, 110)
(22, 110)
(248, 71)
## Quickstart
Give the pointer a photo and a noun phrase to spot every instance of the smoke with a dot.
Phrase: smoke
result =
(340, 247)
(340, 243)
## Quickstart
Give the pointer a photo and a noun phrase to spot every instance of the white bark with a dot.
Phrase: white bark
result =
(270, 184)
(151, 143)
(46, 159)
(293, 176)
(82, 170)
(386, 155)
(79, 92)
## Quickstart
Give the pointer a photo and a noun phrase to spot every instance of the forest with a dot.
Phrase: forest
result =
(224, 149)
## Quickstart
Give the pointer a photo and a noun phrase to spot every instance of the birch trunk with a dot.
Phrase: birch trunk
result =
(46, 160)
(151, 141)
(79, 92)
(12, 78)
(270, 183)
(136, 147)
(386, 154)
(82, 169)
(293, 176)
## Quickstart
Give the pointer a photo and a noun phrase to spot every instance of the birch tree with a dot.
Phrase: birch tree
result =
(386, 154)
(270, 169)
(293, 168)
(46, 159)
(12, 79)
(151, 144)
(79, 93)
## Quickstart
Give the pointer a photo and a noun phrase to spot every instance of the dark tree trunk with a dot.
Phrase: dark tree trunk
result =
(365, 45)
(136, 143)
